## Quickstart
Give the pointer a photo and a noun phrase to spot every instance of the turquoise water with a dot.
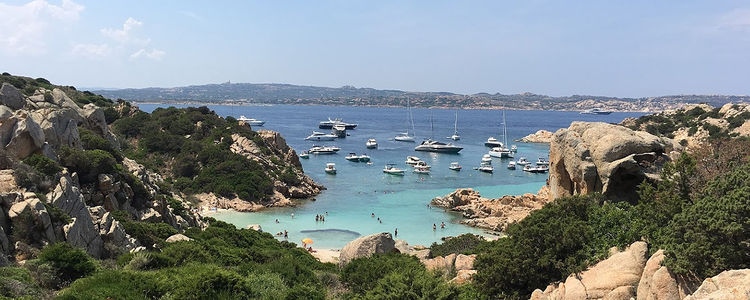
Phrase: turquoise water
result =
(358, 190)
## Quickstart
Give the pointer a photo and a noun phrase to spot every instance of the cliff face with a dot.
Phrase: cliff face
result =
(598, 157)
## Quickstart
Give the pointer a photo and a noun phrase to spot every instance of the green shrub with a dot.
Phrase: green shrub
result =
(70, 263)
(43, 164)
(17, 283)
(88, 163)
(412, 284)
(363, 274)
(114, 284)
(462, 244)
(56, 215)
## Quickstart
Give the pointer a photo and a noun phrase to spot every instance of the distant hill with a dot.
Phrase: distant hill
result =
(252, 93)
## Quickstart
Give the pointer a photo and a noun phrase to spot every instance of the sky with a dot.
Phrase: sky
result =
(610, 48)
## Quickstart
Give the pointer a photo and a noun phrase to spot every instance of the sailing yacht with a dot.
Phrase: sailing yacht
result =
(404, 136)
(455, 135)
(501, 151)
(430, 145)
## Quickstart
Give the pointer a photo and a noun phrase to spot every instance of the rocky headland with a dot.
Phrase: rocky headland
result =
(541, 136)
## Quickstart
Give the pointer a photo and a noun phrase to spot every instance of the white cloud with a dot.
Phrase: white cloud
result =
(191, 15)
(24, 28)
(126, 35)
(738, 19)
(92, 51)
(153, 54)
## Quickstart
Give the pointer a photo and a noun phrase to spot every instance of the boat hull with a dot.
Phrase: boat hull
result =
(330, 126)
(493, 144)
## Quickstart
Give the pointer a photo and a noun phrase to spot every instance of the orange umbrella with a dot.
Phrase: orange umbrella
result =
(307, 241)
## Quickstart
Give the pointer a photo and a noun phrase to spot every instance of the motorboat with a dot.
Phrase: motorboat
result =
(330, 168)
(486, 168)
(523, 161)
(251, 121)
(405, 136)
(513, 149)
(304, 155)
(455, 166)
(319, 136)
(500, 152)
(364, 158)
(537, 169)
(352, 157)
(392, 170)
(324, 150)
(542, 162)
(493, 142)
(439, 147)
(487, 159)
(455, 135)
(512, 165)
(422, 170)
(422, 164)
(331, 122)
(371, 144)
(339, 130)
(412, 160)
(595, 111)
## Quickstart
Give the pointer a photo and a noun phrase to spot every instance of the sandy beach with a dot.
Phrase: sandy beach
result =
(327, 255)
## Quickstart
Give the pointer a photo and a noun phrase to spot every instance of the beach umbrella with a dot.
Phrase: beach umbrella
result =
(307, 241)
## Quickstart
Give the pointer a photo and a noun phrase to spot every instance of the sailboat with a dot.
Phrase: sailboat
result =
(404, 136)
(455, 135)
(431, 145)
(502, 151)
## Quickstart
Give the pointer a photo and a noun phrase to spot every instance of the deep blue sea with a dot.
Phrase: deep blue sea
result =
(358, 189)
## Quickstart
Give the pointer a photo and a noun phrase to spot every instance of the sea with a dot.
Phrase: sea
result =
(360, 199)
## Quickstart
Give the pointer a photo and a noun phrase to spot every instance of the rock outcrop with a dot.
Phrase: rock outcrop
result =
(616, 277)
(541, 136)
(366, 246)
(462, 265)
(82, 232)
(599, 157)
(493, 214)
(11, 97)
(729, 285)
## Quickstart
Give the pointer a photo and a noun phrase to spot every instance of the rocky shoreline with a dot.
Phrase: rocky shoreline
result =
(492, 214)
(542, 136)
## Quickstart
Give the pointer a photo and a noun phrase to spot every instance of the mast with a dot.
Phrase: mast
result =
(505, 132)
(455, 125)
(432, 129)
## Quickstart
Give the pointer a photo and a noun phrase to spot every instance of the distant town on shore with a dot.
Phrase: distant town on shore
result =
(251, 93)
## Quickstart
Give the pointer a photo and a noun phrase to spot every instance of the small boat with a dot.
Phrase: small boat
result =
(513, 149)
(364, 158)
(391, 169)
(251, 121)
(371, 144)
(595, 111)
(487, 159)
(512, 165)
(542, 162)
(339, 130)
(324, 150)
(412, 160)
(319, 136)
(455, 166)
(455, 135)
(537, 169)
(422, 170)
(330, 123)
(493, 142)
(404, 137)
(422, 164)
(486, 168)
(523, 161)
(352, 157)
(500, 152)
(304, 155)
(330, 168)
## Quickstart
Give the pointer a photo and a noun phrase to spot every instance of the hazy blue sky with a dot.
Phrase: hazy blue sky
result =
(617, 48)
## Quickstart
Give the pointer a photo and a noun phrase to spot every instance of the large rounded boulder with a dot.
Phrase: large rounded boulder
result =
(366, 246)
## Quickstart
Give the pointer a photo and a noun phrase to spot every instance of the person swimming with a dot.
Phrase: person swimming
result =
(434, 227)
(277, 221)
(442, 225)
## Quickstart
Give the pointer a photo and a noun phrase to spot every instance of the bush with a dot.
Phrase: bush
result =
(43, 164)
(412, 284)
(88, 163)
(114, 284)
(462, 244)
(17, 283)
(363, 274)
(69, 263)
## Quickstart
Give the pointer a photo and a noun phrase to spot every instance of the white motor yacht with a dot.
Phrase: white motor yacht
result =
(251, 121)
(537, 169)
(324, 150)
(595, 111)
(371, 144)
(487, 159)
(455, 166)
(500, 152)
(523, 161)
(439, 147)
(542, 162)
(392, 170)
(319, 136)
(512, 165)
(339, 130)
(412, 160)
(364, 158)
(352, 157)
(486, 168)
(422, 164)
(422, 170)
(304, 155)
(493, 142)
(331, 122)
